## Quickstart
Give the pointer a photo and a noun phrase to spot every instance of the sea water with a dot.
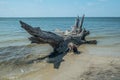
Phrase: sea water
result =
(106, 30)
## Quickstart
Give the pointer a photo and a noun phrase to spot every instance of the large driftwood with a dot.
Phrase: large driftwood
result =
(59, 43)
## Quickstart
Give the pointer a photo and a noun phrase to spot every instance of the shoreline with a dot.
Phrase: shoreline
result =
(74, 67)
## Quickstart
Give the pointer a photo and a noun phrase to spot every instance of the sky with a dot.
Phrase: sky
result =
(59, 8)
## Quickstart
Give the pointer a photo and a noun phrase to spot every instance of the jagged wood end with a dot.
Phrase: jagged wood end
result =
(40, 36)
(81, 23)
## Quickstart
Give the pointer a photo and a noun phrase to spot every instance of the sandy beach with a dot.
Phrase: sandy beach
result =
(84, 66)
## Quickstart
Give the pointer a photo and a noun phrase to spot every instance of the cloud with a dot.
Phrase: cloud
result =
(90, 3)
(102, 0)
(39, 1)
(3, 2)
(96, 2)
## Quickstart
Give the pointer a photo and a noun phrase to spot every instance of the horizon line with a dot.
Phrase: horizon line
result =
(54, 16)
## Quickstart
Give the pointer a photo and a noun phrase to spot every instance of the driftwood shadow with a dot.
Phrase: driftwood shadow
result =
(54, 58)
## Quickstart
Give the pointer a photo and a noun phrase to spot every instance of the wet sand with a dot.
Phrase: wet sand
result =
(84, 66)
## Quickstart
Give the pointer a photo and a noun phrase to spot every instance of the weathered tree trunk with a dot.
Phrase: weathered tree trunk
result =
(59, 43)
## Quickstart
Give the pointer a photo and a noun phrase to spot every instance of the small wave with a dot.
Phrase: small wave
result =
(13, 59)
(14, 40)
(103, 37)
(16, 52)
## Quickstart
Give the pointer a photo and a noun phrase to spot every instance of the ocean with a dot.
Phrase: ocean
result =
(106, 30)
(11, 34)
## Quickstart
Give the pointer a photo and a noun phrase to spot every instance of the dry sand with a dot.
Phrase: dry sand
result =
(75, 67)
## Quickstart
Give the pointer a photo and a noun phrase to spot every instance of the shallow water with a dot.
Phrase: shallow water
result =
(15, 60)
